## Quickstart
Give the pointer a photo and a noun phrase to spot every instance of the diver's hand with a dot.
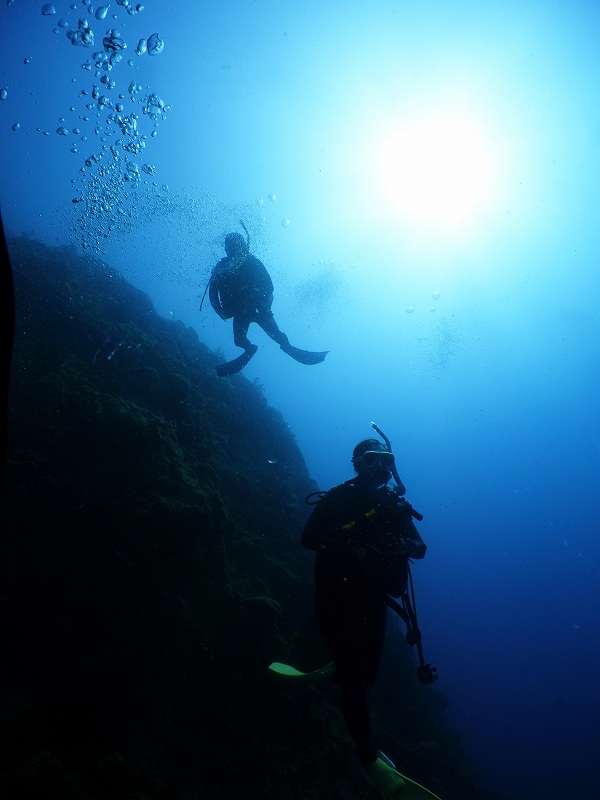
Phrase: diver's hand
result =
(427, 674)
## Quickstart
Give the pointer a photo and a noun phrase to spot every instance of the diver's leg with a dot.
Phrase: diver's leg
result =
(266, 321)
(354, 630)
(240, 331)
(240, 339)
(373, 635)
(339, 619)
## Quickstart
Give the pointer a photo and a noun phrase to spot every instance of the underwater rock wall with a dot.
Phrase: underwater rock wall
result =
(150, 570)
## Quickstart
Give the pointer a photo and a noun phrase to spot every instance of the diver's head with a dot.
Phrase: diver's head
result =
(235, 245)
(372, 461)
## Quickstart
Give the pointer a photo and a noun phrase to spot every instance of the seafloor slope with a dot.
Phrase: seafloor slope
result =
(150, 571)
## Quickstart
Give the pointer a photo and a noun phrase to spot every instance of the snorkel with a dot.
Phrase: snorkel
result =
(247, 234)
(394, 469)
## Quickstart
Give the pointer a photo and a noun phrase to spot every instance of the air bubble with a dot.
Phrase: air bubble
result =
(82, 36)
(155, 44)
(48, 10)
(409, 309)
(132, 172)
(113, 42)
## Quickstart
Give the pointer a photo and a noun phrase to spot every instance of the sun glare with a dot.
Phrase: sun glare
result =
(435, 172)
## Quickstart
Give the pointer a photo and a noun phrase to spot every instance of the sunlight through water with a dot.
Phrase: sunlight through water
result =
(435, 172)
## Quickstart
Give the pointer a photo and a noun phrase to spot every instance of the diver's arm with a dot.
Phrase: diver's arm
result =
(414, 545)
(317, 536)
(323, 531)
(321, 542)
(213, 295)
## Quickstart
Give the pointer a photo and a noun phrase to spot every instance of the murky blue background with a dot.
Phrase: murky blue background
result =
(473, 342)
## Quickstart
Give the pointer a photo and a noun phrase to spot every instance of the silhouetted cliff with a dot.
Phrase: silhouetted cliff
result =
(150, 571)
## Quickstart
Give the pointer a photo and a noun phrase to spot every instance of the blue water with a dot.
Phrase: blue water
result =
(461, 312)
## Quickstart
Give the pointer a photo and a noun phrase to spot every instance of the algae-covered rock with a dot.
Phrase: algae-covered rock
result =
(150, 571)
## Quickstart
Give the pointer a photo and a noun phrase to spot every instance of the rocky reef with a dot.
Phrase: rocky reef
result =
(150, 571)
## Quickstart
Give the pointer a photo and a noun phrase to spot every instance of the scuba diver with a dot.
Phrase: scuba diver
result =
(240, 287)
(364, 535)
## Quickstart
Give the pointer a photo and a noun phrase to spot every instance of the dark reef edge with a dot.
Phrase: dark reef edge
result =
(150, 571)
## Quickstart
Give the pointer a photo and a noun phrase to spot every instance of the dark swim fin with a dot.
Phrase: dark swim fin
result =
(237, 364)
(292, 672)
(304, 356)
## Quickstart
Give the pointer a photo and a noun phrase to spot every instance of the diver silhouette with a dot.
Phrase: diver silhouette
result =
(241, 288)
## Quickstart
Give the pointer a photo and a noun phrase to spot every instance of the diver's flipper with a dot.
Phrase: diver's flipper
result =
(292, 672)
(393, 785)
(304, 356)
(414, 791)
(230, 367)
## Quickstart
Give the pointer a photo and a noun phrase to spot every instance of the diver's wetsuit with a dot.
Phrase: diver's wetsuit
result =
(359, 560)
(240, 287)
